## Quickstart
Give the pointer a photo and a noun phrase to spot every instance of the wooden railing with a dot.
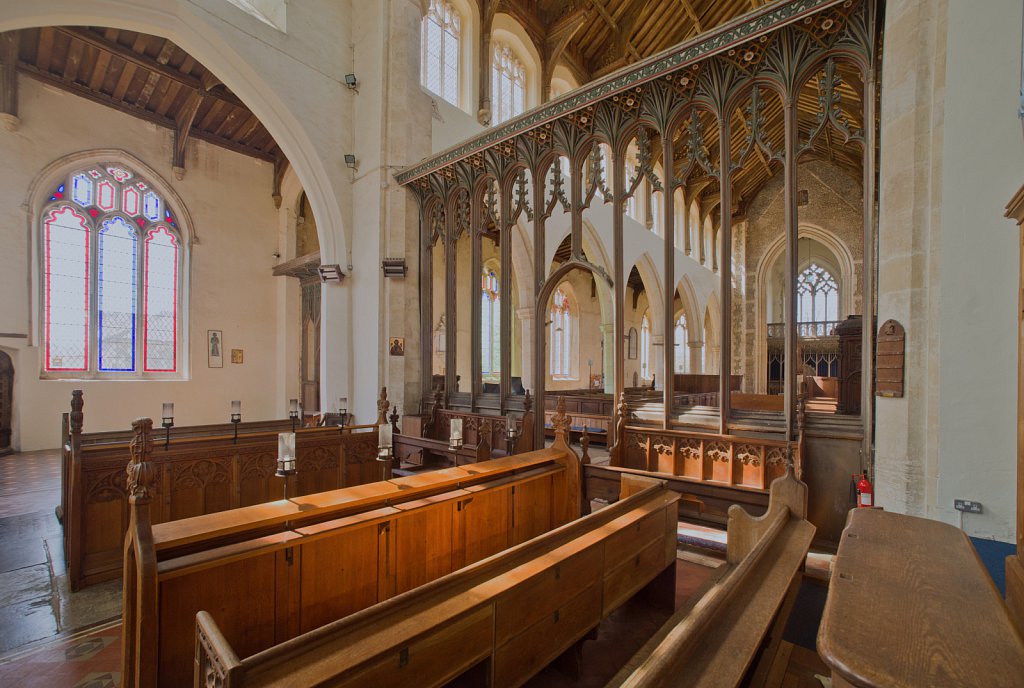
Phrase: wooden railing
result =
(273, 571)
(196, 473)
(496, 623)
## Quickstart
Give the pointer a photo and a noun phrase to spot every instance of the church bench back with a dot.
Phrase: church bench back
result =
(515, 611)
(203, 469)
(272, 571)
(714, 639)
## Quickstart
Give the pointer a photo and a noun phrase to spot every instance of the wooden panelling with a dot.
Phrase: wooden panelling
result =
(889, 359)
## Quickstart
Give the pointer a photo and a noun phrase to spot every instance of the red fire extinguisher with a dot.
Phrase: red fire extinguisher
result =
(865, 491)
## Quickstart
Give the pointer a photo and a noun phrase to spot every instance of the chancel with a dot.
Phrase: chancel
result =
(511, 343)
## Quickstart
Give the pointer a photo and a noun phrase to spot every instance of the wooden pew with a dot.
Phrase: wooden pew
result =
(496, 623)
(715, 639)
(272, 571)
(197, 474)
(910, 604)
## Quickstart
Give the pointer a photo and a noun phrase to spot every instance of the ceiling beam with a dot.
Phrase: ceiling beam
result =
(99, 97)
(688, 8)
(614, 26)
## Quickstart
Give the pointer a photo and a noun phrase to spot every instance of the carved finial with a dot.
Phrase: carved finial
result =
(382, 406)
(394, 420)
(527, 402)
(486, 430)
(585, 445)
(561, 421)
(141, 471)
(77, 417)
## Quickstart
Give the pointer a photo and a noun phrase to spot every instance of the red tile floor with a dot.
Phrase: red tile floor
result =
(88, 659)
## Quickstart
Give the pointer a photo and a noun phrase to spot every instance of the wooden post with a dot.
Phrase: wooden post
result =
(562, 422)
(140, 615)
(616, 457)
(382, 407)
(73, 514)
(9, 80)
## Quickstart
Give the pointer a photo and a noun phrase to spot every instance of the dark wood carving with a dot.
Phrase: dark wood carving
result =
(850, 347)
(889, 359)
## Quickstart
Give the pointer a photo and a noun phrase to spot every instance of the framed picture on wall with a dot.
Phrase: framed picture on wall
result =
(237, 356)
(214, 349)
(632, 344)
(396, 346)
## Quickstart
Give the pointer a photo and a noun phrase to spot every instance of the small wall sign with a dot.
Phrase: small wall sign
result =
(889, 359)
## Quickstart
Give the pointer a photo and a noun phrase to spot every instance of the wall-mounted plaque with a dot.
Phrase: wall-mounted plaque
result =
(889, 359)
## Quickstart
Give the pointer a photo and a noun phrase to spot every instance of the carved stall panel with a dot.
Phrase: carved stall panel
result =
(889, 359)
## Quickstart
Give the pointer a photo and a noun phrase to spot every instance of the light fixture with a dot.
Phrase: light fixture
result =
(394, 267)
(168, 422)
(352, 82)
(330, 273)
(293, 411)
(236, 416)
(350, 161)
(286, 465)
(455, 435)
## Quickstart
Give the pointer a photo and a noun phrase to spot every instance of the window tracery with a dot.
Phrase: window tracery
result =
(111, 261)
(817, 295)
(490, 326)
(508, 84)
(440, 46)
(561, 315)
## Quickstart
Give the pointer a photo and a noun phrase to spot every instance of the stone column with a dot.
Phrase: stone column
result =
(9, 80)
(696, 354)
(658, 360)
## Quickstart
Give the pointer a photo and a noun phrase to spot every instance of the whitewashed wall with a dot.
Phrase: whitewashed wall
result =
(228, 198)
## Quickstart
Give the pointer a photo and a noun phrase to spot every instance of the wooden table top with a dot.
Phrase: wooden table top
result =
(910, 604)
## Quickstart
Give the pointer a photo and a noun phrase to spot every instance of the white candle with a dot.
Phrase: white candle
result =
(386, 440)
(236, 408)
(293, 405)
(456, 432)
(286, 446)
(168, 409)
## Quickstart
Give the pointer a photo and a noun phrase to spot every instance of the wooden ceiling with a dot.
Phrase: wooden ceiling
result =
(148, 77)
(605, 35)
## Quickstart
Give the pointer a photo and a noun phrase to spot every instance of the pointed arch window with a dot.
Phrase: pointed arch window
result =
(508, 84)
(645, 346)
(682, 343)
(817, 295)
(440, 44)
(490, 326)
(111, 289)
(562, 316)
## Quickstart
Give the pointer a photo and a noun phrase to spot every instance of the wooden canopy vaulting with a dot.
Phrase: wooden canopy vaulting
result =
(148, 77)
(594, 38)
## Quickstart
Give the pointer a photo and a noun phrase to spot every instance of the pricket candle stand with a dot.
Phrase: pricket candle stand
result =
(293, 411)
(236, 416)
(168, 423)
(286, 458)
(511, 434)
(385, 448)
(455, 437)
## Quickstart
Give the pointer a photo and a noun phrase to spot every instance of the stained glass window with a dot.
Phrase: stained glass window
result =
(508, 85)
(561, 317)
(113, 238)
(440, 58)
(682, 343)
(490, 327)
(817, 295)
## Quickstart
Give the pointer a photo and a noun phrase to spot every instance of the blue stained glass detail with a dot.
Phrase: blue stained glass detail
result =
(167, 216)
(58, 194)
(118, 266)
(81, 190)
(151, 207)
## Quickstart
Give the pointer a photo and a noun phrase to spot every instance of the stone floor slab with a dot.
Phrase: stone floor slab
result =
(25, 585)
(26, 622)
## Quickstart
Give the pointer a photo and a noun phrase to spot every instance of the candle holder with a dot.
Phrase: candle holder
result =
(293, 411)
(511, 434)
(385, 443)
(168, 423)
(455, 435)
(286, 464)
(236, 417)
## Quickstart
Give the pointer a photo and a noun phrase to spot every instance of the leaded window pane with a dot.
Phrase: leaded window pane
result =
(66, 280)
(118, 260)
(161, 288)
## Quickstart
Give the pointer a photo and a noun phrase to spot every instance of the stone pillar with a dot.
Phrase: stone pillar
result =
(608, 364)
(9, 80)
(658, 360)
(696, 357)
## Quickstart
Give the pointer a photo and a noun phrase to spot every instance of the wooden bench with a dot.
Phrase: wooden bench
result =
(910, 604)
(201, 470)
(272, 571)
(715, 639)
(496, 623)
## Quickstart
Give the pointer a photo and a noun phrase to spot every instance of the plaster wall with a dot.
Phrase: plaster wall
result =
(231, 288)
(952, 156)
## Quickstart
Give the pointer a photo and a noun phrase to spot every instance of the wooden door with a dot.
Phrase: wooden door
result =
(6, 402)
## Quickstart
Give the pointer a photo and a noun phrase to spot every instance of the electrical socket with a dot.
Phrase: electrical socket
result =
(967, 505)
